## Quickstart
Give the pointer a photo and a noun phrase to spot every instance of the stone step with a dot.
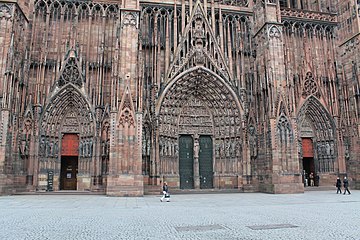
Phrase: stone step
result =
(320, 188)
(61, 192)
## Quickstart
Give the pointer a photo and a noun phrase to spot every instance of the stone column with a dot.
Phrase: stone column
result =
(196, 162)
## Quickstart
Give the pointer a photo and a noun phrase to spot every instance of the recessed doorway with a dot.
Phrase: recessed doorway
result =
(69, 169)
(69, 161)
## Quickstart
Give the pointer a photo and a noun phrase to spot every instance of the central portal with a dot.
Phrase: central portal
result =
(198, 132)
(196, 162)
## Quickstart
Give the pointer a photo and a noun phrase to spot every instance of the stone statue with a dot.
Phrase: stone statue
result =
(42, 147)
(56, 149)
(81, 149)
(196, 148)
(90, 148)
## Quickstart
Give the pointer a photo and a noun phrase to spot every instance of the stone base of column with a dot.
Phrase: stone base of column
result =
(84, 183)
(227, 181)
(283, 183)
(288, 188)
(6, 185)
(125, 185)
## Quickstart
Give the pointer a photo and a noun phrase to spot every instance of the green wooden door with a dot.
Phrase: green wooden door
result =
(206, 162)
(186, 162)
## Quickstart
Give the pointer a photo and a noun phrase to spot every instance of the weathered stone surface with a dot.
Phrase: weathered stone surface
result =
(128, 81)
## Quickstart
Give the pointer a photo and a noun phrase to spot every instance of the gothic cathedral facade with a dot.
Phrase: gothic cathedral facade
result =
(117, 96)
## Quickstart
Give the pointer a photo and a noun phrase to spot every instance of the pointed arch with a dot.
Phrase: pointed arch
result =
(67, 100)
(98, 8)
(313, 117)
(198, 102)
(200, 72)
(127, 109)
(321, 120)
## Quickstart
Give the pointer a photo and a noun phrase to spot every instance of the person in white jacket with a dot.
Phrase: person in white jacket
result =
(166, 195)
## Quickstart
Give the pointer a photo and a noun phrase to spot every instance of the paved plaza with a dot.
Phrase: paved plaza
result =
(312, 215)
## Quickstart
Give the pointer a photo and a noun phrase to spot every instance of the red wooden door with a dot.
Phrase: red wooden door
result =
(307, 147)
(70, 145)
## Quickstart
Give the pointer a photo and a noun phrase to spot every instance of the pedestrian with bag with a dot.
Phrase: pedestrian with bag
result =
(166, 195)
(338, 185)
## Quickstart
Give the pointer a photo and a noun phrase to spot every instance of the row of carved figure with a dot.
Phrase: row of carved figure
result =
(168, 147)
(228, 148)
(224, 148)
(86, 148)
(50, 148)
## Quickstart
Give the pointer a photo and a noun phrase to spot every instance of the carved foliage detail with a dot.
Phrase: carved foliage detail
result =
(129, 19)
(5, 11)
(274, 32)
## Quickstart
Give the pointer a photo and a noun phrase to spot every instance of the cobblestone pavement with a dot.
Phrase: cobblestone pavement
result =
(312, 215)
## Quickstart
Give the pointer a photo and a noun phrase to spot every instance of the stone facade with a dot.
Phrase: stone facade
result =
(119, 96)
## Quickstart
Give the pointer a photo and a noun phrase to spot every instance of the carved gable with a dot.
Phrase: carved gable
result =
(71, 73)
(127, 109)
(198, 47)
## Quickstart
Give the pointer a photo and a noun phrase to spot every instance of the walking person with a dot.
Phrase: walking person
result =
(166, 195)
(338, 185)
(346, 185)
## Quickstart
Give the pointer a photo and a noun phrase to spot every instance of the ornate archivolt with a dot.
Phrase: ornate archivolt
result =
(198, 102)
(314, 116)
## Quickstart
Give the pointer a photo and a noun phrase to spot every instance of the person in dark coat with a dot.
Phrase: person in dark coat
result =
(346, 185)
(338, 185)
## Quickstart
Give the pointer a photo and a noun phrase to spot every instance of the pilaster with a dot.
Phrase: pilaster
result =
(125, 174)
(282, 174)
